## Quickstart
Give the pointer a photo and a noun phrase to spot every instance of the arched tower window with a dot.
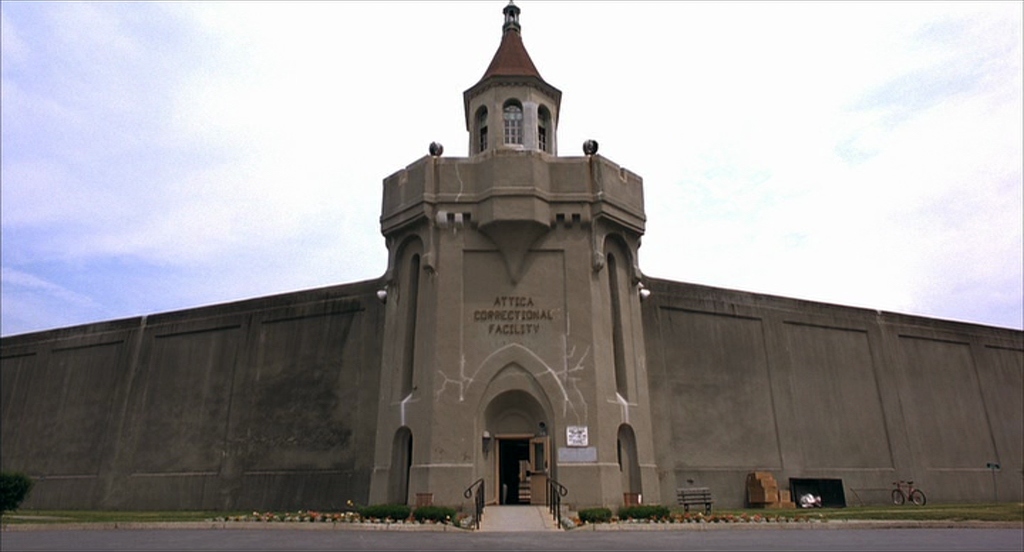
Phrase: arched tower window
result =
(544, 129)
(481, 129)
(618, 345)
(513, 116)
(410, 310)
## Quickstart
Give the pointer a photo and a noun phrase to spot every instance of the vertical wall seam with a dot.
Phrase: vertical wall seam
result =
(876, 370)
(984, 404)
(769, 368)
(122, 435)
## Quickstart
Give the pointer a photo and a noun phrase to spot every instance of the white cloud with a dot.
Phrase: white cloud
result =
(860, 153)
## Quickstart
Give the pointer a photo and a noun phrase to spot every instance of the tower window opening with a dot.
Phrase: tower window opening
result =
(481, 129)
(513, 123)
(543, 124)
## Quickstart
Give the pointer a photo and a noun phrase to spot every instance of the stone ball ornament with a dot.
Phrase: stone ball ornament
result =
(436, 149)
(590, 147)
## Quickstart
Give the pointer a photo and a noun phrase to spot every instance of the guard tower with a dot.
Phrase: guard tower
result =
(514, 348)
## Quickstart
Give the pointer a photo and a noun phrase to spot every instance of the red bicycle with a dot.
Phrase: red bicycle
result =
(905, 490)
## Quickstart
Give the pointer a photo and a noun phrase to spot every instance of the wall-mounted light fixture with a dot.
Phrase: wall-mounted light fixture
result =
(487, 439)
(644, 292)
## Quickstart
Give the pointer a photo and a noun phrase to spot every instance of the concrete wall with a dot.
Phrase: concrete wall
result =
(267, 403)
(743, 382)
(272, 403)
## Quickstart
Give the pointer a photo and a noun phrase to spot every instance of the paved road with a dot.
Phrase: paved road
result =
(298, 539)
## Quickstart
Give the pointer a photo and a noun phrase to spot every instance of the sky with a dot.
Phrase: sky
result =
(159, 156)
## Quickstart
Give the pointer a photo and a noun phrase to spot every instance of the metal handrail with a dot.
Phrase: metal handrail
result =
(479, 500)
(555, 492)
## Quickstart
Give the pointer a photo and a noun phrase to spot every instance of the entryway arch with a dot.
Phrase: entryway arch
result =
(518, 424)
(629, 465)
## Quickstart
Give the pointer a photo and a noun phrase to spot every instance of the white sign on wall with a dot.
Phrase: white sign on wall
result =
(576, 436)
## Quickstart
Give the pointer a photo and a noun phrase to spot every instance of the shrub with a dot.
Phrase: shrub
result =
(643, 512)
(14, 487)
(440, 514)
(595, 515)
(397, 512)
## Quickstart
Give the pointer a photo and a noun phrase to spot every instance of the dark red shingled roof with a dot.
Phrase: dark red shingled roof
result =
(511, 58)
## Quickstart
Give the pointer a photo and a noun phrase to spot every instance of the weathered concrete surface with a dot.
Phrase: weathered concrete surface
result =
(271, 403)
(266, 403)
(746, 382)
(513, 307)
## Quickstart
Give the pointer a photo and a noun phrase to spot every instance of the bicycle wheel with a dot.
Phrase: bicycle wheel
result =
(917, 497)
(898, 498)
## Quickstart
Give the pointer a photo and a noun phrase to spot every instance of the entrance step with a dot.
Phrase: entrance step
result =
(524, 492)
(517, 519)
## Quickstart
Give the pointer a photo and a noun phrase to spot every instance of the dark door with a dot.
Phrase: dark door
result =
(513, 454)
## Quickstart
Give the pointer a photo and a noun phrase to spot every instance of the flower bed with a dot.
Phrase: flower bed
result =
(698, 517)
(379, 513)
(309, 516)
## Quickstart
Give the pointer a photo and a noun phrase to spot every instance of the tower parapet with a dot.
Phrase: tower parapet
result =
(512, 196)
(519, 186)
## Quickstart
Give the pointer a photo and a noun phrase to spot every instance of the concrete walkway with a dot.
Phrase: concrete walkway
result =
(517, 518)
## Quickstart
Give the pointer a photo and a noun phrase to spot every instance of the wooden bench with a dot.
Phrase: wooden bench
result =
(695, 496)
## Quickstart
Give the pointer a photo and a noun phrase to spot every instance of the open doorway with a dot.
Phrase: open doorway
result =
(513, 455)
(523, 470)
(516, 448)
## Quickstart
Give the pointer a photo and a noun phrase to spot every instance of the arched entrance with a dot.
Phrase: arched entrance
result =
(629, 466)
(521, 458)
(401, 461)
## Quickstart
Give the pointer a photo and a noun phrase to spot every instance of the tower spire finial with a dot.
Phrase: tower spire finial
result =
(511, 12)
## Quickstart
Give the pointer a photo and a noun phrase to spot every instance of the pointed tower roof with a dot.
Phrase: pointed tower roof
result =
(511, 59)
(511, 64)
